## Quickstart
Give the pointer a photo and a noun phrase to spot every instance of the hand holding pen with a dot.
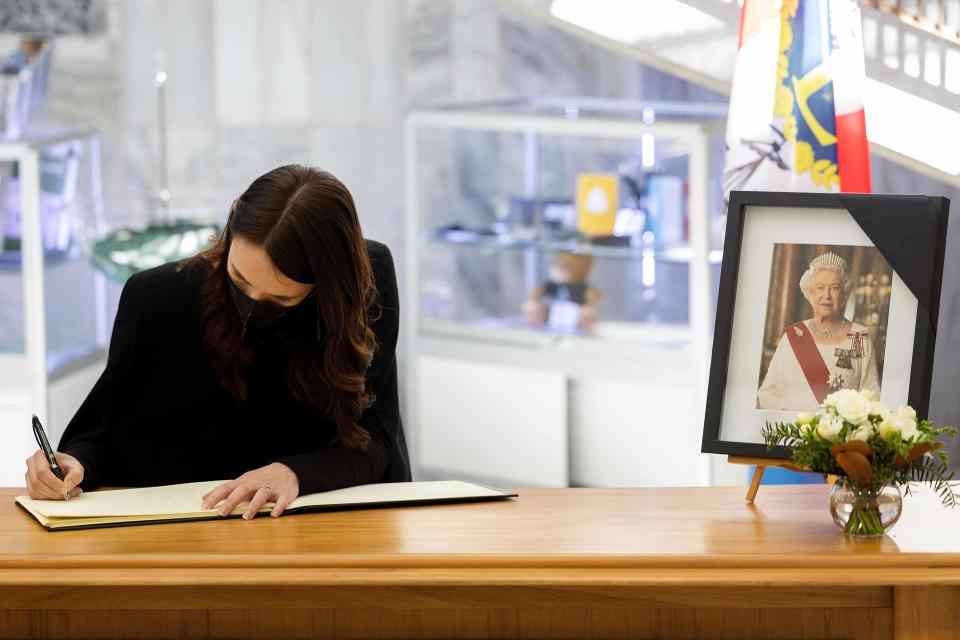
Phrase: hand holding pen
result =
(50, 475)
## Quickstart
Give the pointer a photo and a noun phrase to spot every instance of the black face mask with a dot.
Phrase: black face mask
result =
(254, 313)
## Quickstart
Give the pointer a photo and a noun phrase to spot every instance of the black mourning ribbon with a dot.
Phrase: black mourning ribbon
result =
(905, 229)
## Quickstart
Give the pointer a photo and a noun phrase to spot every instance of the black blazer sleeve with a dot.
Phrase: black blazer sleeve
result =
(386, 458)
(87, 435)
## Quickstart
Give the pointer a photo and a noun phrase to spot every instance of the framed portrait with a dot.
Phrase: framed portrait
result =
(821, 292)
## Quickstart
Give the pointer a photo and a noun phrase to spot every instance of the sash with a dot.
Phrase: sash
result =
(810, 360)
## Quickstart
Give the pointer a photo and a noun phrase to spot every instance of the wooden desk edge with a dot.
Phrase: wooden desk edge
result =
(500, 577)
(394, 561)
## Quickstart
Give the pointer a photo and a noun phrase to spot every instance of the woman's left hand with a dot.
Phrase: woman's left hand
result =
(275, 483)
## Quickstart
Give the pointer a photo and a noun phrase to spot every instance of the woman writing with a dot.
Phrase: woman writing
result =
(269, 358)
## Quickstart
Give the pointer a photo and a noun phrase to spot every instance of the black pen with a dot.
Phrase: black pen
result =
(48, 451)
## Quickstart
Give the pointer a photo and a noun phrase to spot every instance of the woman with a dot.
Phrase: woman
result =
(823, 354)
(268, 358)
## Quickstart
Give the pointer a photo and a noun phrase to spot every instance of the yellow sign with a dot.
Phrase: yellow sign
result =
(597, 201)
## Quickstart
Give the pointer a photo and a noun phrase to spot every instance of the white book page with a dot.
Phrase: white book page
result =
(186, 498)
(396, 492)
(145, 501)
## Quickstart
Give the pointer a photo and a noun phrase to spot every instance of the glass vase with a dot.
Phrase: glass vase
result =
(865, 511)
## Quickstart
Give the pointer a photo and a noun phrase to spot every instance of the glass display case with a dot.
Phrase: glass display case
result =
(53, 324)
(568, 237)
(504, 204)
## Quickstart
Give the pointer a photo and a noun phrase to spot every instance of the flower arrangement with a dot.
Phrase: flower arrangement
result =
(869, 447)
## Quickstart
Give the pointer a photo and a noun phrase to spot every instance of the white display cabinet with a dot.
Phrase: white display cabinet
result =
(53, 324)
(497, 393)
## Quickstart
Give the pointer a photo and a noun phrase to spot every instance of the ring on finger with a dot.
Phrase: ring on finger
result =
(267, 487)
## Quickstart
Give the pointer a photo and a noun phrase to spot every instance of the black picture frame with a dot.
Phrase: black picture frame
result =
(909, 231)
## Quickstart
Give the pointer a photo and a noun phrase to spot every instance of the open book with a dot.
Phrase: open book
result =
(181, 502)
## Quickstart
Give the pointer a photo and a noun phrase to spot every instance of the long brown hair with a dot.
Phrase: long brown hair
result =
(306, 221)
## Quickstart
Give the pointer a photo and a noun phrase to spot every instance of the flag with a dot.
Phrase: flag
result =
(796, 119)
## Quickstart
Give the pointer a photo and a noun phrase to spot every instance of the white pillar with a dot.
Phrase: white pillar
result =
(34, 320)
(701, 325)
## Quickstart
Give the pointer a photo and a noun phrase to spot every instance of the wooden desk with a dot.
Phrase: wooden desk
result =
(562, 563)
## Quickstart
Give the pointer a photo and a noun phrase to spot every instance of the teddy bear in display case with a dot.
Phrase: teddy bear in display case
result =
(565, 301)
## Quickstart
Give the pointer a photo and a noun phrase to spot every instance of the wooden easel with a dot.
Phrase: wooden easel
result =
(762, 464)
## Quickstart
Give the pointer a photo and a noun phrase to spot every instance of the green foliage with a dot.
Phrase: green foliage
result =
(810, 451)
(935, 471)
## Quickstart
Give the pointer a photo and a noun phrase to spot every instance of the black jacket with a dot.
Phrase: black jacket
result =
(158, 414)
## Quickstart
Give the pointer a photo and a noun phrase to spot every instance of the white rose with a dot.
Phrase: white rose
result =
(886, 427)
(906, 426)
(863, 432)
(831, 400)
(906, 411)
(829, 428)
(880, 409)
(868, 394)
(804, 418)
(850, 404)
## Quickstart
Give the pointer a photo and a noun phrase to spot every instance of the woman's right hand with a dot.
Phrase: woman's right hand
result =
(43, 485)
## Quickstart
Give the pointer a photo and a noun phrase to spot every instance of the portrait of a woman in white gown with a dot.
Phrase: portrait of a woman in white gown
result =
(824, 352)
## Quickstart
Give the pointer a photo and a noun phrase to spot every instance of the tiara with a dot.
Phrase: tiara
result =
(831, 260)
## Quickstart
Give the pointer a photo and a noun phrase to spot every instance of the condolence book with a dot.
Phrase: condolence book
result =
(181, 503)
